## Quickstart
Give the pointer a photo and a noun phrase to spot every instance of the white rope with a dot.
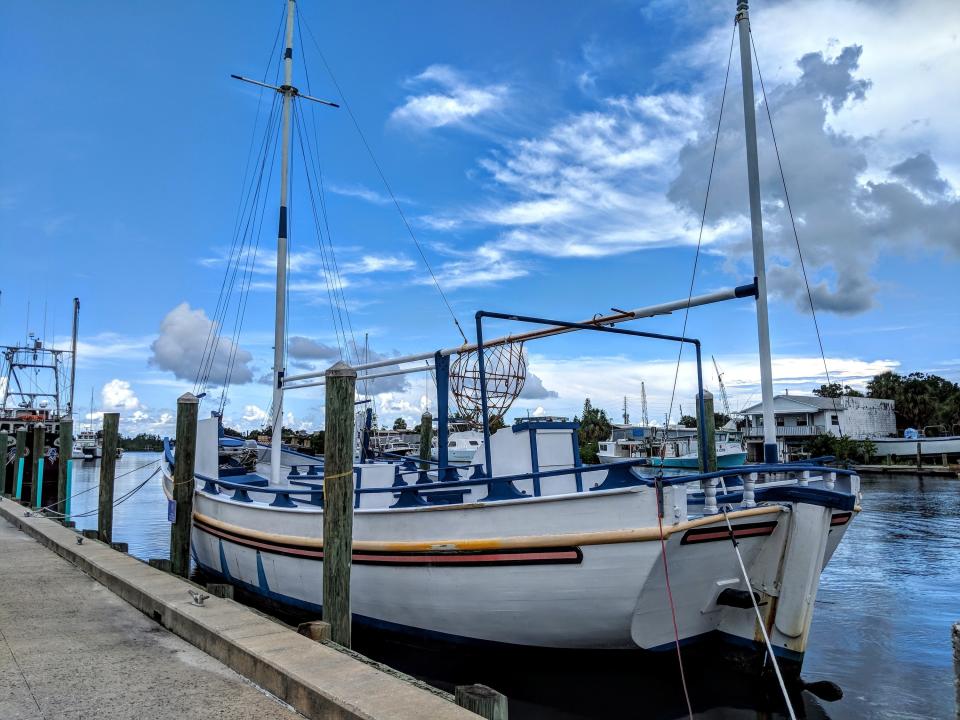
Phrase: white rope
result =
(763, 628)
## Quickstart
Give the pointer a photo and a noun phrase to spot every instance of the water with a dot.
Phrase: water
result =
(881, 629)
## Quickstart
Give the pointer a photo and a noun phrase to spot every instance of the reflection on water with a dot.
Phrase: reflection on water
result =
(881, 629)
(140, 521)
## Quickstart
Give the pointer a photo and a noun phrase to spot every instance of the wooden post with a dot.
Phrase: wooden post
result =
(338, 500)
(36, 488)
(108, 467)
(184, 484)
(918, 455)
(65, 468)
(707, 456)
(955, 634)
(485, 702)
(20, 460)
(426, 435)
(4, 441)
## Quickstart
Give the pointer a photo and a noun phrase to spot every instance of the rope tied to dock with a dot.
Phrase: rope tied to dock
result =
(49, 508)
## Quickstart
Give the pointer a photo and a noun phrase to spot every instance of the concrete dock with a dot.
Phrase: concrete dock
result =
(89, 633)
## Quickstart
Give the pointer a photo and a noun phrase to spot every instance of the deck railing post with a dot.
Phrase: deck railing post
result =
(749, 488)
(36, 488)
(4, 441)
(184, 483)
(338, 500)
(64, 468)
(426, 435)
(108, 467)
(710, 497)
(20, 462)
(831, 480)
(804, 478)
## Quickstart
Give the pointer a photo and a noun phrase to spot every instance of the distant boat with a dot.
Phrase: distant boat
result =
(462, 446)
(676, 448)
(914, 442)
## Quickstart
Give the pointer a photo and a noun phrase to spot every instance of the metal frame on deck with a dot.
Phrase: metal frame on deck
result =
(568, 326)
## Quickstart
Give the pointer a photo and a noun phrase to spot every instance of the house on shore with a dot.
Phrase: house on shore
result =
(801, 417)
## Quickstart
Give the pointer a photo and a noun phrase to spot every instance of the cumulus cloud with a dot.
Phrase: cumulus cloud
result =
(179, 348)
(533, 389)
(118, 395)
(303, 348)
(844, 220)
(451, 100)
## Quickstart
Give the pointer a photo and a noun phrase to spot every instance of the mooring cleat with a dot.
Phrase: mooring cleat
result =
(197, 597)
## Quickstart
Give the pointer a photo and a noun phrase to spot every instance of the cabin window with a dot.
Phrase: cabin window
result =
(834, 419)
(452, 443)
(474, 442)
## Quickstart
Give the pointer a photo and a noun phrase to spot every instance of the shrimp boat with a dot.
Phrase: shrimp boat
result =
(525, 546)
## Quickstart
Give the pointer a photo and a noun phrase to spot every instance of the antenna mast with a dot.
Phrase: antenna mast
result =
(626, 412)
(723, 391)
(644, 416)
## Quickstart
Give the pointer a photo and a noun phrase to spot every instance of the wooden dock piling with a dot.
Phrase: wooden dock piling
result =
(426, 436)
(482, 700)
(4, 472)
(20, 462)
(183, 483)
(338, 500)
(37, 458)
(708, 455)
(64, 468)
(108, 467)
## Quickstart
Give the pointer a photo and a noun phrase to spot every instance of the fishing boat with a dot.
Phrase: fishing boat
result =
(525, 546)
(673, 448)
(34, 396)
(462, 446)
(914, 443)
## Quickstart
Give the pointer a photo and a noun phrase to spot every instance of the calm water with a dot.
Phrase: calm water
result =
(881, 630)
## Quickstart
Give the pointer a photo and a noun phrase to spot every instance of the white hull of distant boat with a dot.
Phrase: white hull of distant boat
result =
(936, 446)
(462, 447)
(562, 567)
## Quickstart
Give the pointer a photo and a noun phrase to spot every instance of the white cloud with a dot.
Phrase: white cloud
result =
(452, 100)
(118, 395)
(254, 415)
(188, 339)
(377, 263)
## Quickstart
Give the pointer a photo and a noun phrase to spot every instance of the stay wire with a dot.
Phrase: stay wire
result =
(315, 150)
(760, 622)
(386, 184)
(686, 315)
(793, 225)
(696, 259)
(339, 327)
(243, 184)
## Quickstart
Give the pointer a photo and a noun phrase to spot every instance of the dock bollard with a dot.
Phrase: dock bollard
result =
(184, 483)
(341, 381)
(482, 700)
(36, 486)
(64, 468)
(108, 468)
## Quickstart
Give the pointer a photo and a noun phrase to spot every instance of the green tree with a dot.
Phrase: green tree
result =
(920, 400)
(688, 421)
(594, 427)
(496, 423)
(835, 390)
(720, 419)
(399, 424)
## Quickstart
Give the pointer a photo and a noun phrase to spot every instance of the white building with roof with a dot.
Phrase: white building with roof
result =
(800, 417)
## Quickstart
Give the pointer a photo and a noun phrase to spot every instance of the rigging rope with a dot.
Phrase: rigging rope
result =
(383, 179)
(696, 259)
(793, 225)
(673, 610)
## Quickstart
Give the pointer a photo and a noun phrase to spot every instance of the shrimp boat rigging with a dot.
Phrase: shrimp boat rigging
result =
(525, 546)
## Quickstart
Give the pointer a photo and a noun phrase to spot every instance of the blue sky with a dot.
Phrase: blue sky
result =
(551, 158)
